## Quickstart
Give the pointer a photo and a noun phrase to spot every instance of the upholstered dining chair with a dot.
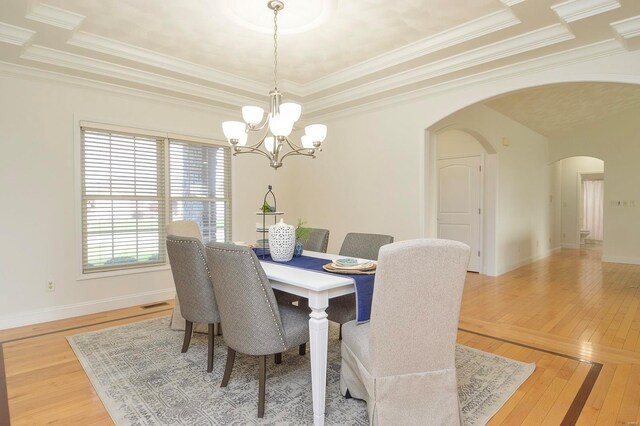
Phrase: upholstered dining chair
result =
(318, 240)
(364, 246)
(192, 277)
(183, 228)
(402, 363)
(254, 323)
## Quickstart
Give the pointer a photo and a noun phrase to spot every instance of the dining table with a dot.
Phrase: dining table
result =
(319, 288)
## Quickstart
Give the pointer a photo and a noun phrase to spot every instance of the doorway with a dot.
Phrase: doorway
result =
(591, 209)
(581, 215)
(457, 188)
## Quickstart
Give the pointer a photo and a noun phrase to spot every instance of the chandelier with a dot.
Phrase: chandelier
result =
(278, 124)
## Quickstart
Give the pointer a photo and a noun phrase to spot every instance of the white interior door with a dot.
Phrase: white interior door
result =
(459, 204)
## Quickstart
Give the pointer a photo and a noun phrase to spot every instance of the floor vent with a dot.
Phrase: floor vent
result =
(155, 305)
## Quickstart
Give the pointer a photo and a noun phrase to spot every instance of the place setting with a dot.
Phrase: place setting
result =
(351, 266)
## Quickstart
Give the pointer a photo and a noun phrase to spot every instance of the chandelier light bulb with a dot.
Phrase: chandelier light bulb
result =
(280, 126)
(307, 142)
(252, 115)
(317, 132)
(233, 129)
(291, 111)
(269, 143)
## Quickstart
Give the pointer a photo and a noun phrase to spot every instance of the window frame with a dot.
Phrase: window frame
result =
(166, 137)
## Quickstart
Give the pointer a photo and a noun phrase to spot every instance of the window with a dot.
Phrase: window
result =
(124, 202)
(200, 187)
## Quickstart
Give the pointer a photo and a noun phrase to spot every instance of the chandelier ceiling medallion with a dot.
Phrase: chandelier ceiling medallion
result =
(278, 124)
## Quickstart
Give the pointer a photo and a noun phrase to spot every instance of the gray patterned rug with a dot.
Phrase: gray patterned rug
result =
(143, 379)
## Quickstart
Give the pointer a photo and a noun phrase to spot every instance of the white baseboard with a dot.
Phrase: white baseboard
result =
(526, 261)
(620, 259)
(84, 308)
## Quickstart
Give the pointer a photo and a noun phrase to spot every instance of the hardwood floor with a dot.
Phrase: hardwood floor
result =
(578, 319)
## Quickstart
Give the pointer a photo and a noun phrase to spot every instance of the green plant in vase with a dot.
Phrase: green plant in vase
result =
(266, 208)
(302, 235)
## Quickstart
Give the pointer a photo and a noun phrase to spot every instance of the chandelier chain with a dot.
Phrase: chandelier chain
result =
(275, 48)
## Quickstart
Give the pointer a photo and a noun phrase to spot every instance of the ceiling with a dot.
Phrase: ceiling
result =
(333, 54)
(559, 108)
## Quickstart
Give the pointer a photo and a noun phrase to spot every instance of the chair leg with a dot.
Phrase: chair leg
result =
(210, 350)
(340, 334)
(262, 381)
(187, 336)
(277, 358)
(219, 326)
(347, 395)
(231, 357)
(302, 349)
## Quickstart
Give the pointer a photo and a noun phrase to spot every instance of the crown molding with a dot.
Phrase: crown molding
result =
(54, 16)
(574, 10)
(470, 30)
(14, 35)
(627, 28)
(467, 31)
(21, 71)
(524, 68)
(133, 53)
(519, 44)
(510, 3)
(82, 63)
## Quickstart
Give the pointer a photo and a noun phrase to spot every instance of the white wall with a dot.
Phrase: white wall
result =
(571, 222)
(616, 140)
(555, 202)
(38, 124)
(456, 143)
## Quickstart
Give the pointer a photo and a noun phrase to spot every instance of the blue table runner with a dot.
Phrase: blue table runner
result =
(364, 283)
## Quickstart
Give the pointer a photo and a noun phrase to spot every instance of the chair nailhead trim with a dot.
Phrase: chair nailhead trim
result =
(264, 290)
(204, 261)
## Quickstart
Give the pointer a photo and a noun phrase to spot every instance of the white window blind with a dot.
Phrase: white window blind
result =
(200, 182)
(123, 200)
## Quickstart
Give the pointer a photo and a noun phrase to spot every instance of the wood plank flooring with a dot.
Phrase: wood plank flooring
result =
(577, 318)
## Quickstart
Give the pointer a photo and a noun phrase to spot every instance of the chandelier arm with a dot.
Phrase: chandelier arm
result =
(293, 146)
(260, 126)
(311, 153)
(250, 150)
(260, 141)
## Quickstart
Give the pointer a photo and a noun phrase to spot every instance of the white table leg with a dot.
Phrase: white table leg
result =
(318, 339)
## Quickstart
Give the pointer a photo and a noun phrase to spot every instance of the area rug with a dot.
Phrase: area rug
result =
(143, 379)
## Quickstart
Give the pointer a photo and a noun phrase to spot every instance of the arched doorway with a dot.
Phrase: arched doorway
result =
(526, 137)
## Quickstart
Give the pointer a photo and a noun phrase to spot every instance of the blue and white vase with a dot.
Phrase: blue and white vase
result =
(297, 252)
(282, 241)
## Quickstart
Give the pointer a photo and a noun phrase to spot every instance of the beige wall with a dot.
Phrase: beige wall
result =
(571, 222)
(616, 140)
(40, 232)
